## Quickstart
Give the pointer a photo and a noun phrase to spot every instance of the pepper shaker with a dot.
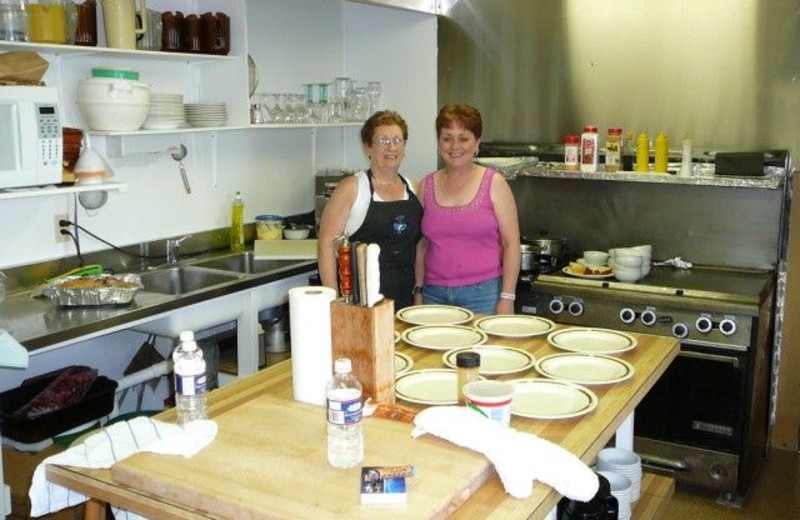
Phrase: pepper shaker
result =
(468, 364)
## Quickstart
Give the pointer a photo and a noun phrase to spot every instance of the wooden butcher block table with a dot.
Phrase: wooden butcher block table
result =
(268, 460)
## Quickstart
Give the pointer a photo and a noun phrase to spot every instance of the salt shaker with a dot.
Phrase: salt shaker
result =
(468, 364)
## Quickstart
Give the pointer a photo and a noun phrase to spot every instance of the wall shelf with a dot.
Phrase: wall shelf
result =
(47, 191)
(201, 129)
(65, 51)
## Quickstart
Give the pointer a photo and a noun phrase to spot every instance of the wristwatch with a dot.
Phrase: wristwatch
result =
(417, 289)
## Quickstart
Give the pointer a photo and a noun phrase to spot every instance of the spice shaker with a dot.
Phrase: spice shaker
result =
(469, 364)
(614, 149)
(572, 153)
(589, 149)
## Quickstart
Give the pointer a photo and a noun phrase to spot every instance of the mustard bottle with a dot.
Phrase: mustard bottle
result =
(643, 153)
(662, 153)
(237, 223)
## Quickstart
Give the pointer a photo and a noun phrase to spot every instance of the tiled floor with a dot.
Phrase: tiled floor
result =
(774, 495)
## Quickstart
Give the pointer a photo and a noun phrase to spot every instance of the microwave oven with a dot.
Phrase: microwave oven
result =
(30, 137)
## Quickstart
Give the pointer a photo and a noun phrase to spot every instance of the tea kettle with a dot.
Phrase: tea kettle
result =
(603, 506)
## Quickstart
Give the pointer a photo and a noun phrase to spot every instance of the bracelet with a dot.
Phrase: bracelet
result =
(508, 296)
(417, 289)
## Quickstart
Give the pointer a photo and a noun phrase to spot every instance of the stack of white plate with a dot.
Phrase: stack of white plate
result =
(622, 461)
(206, 114)
(621, 488)
(165, 112)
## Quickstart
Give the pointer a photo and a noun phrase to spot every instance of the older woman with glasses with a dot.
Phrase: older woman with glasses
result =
(377, 206)
(470, 252)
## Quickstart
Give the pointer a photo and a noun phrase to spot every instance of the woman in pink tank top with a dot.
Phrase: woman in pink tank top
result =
(469, 255)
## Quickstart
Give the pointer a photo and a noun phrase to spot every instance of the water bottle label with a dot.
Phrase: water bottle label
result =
(190, 384)
(344, 412)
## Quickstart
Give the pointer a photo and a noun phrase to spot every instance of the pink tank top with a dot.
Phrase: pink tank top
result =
(463, 241)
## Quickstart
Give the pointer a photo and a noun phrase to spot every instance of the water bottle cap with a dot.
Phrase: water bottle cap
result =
(187, 335)
(189, 346)
(342, 365)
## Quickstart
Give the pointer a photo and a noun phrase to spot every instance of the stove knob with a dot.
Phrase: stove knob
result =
(703, 324)
(649, 318)
(556, 306)
(727, 326)
(680, 330)
(627, 315)
(576, 308)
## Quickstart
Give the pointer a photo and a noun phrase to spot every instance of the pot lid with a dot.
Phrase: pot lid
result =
(103, 72)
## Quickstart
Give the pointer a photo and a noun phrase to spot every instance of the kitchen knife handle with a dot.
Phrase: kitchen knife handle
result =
(345, 274)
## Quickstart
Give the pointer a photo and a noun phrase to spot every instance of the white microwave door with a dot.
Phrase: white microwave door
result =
(10, 150)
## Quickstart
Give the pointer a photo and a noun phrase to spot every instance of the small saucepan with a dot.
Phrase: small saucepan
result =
(553, 247)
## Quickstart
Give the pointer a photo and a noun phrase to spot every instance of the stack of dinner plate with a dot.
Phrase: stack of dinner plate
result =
(622, 461)
(206, 114)
(165, 112)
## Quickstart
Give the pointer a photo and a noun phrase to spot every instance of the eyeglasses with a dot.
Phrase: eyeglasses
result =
(386, 141)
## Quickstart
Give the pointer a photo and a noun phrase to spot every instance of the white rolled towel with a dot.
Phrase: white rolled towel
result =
(519, 458)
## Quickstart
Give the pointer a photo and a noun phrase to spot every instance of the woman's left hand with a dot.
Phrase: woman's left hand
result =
(505, 306)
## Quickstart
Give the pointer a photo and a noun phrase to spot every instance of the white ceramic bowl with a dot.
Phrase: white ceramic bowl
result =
(645, 250)
(111, 105)
(626, 274)
(632, 261)
(296, 234)
(595, 257)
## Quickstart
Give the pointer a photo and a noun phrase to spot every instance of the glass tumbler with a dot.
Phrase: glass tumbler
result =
(13, 21)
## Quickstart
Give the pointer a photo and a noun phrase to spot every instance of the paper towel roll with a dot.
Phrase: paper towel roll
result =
(310, 325)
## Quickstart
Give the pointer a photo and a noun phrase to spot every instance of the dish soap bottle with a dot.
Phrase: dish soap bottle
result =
(237, 223)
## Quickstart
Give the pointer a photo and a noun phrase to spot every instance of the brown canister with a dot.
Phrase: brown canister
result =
(469, 365)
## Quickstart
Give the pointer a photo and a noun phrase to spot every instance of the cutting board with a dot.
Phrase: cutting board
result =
(285, 249)
(269, 462)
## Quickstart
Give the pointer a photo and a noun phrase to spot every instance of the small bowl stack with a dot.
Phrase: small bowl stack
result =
(624, 462)
(631, 264)
(165, 112)
(206, 114)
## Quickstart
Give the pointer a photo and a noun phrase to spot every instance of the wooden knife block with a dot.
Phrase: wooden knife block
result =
(365, 335)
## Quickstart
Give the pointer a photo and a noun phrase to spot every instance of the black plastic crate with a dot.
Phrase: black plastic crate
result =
(96, 403)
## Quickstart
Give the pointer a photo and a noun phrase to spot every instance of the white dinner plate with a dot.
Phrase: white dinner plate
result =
(495, 359)
(593, 341)
(585, 369)
(569, 271)
(434, 315)
(436, 386)
(550, 399)
(515, 325)
(402, 364)
(444, 337)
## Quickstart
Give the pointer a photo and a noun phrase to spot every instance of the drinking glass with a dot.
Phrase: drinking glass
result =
(374, 94)
(13, 21)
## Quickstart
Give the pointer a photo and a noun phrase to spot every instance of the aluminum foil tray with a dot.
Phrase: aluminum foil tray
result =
(76, 291)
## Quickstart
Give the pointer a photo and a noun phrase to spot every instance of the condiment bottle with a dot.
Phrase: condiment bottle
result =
(614, 150)
(643, 153)
(628, 152)
(662, 153)
(469, 364)
(572, 153)
(589, 149)
(237, 224)
(686, 158)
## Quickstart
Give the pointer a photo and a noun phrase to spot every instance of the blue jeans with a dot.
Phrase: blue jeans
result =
(480, 298)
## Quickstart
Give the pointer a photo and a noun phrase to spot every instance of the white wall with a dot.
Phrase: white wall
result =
(293, 42)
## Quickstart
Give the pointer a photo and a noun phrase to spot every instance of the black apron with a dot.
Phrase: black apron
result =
(396, 226)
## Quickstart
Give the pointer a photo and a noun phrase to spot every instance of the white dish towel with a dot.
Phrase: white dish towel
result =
(110, 445)
(519, 458)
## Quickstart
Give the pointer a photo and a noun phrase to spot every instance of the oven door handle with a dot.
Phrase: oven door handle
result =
(655, 462)
(711, 357)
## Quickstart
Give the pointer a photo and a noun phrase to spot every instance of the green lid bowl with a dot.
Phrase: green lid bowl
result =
(102, 72)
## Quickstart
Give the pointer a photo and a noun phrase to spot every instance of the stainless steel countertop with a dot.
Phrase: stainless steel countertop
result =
(39, 322)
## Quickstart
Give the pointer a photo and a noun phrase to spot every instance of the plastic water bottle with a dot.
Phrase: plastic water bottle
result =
(345, 434)
(190, 380)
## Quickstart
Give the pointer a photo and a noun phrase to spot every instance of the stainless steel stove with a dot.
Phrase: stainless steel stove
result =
(705, 422)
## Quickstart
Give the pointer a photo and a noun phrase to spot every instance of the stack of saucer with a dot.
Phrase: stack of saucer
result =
(206, 114)
(165, 112)
(625, 462)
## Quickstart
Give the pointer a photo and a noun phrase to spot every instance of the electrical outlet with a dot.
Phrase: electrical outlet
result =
(58, 217)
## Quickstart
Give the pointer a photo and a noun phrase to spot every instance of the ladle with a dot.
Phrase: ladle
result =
(178, 155)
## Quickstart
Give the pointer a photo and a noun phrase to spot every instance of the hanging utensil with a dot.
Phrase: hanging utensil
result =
(178, 155)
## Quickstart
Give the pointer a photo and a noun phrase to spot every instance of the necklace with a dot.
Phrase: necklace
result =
(392, 182)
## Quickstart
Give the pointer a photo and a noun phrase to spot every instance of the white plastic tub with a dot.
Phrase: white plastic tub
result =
(111, 104)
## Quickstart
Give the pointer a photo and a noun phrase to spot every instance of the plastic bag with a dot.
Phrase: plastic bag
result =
(22, 68)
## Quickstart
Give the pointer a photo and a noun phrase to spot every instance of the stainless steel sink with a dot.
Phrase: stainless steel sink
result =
(245, 263)
(183, 279)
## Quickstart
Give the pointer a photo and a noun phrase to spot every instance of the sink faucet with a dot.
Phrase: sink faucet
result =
(173, 248)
